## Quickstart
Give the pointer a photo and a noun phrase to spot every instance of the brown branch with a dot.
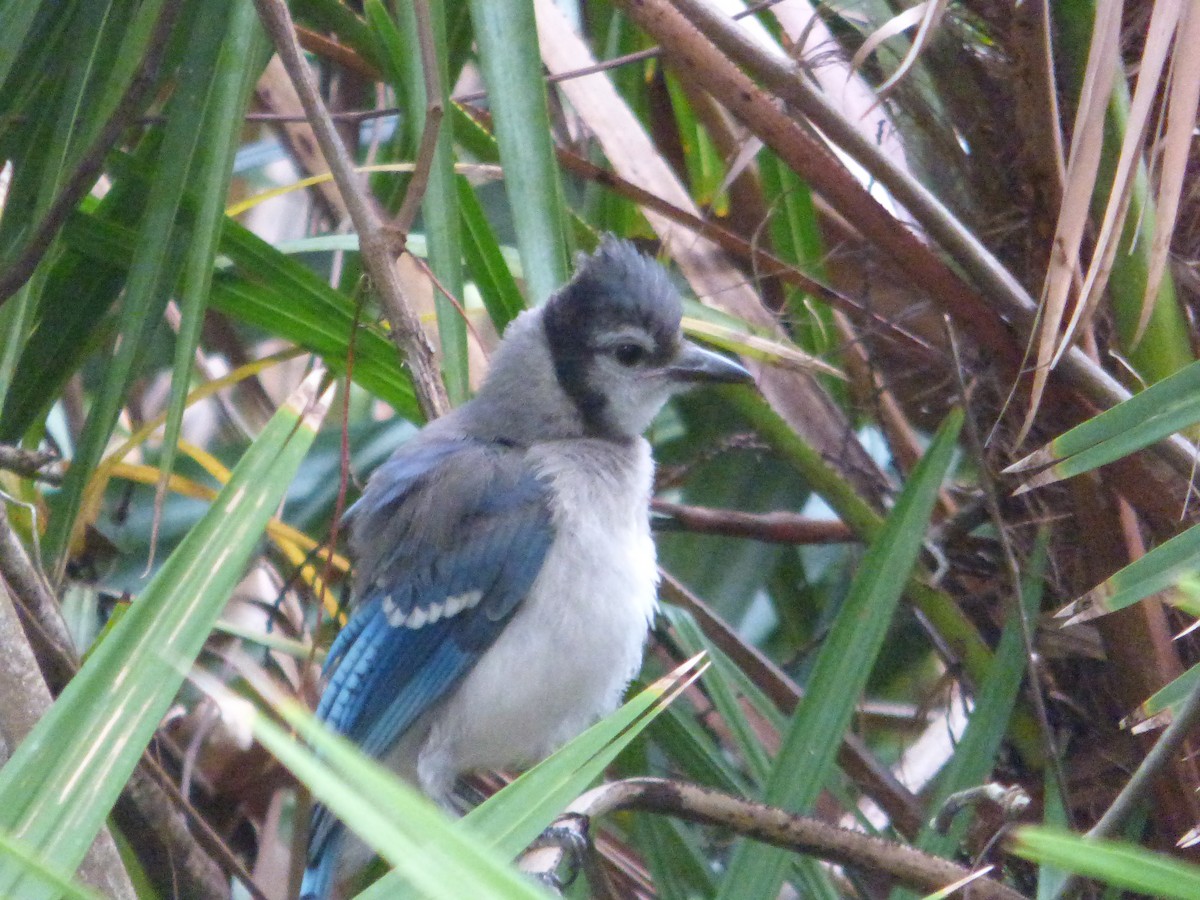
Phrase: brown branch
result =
(1084, 389)
(350, 59)
(800, 834)
(38, 465)
(1092, 382)
(695, 56)
(33, 592)
(434, 110)
(773, 527)
(336, 52)
(373, 242)
(767, 265)
(80, 181)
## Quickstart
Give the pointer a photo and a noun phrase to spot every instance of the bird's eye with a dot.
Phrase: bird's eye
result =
(629, 354)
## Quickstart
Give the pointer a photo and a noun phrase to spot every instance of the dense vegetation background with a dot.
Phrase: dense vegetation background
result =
(942, 235)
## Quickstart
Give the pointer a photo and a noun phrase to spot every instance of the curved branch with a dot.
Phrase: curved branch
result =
(801, 834)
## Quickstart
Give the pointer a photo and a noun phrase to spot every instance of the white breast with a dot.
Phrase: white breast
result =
(572, 647)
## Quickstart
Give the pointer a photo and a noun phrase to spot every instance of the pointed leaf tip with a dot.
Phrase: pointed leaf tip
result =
(1082, 610)
(1190, 839)
(1043, 456)
(1069, 610)
(682, 675)
(309, 402)
(1139, 723)
(1041, 479)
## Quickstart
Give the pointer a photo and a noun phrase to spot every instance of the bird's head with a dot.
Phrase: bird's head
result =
(618, 349)
(601, 357)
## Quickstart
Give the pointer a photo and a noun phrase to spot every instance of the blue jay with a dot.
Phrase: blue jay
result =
(505, 574)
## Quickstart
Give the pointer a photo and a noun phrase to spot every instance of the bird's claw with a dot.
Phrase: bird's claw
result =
(568, 833)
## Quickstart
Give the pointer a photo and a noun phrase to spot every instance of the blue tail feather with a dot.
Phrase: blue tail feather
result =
(322, 866)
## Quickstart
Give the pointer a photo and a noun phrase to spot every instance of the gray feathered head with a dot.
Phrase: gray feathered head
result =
(600, 358)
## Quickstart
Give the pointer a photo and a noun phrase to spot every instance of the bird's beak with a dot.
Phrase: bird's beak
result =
(694, 363)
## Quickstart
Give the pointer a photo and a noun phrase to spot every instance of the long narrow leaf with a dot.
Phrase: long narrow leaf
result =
(394, 819)
(152, 274)
(506, 33)
(1161, 568)
(501, 296)
(42, 874)
(1159, 708)
(1148, 416)
(210, 182)
(62, 781)
(429, 852)
(1118, 864)
(975, 755)
(18, 16)
(720, 681)
(807, 756)
(273, 292)
(407, 67)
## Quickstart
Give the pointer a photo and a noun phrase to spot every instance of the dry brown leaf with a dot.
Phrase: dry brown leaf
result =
(1183, 97)
(1082, 166)
(823, 61)
(896, 25)
(1163, 23)
(926, 16)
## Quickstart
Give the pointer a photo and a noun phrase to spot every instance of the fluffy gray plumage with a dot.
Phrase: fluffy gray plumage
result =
(505, 570)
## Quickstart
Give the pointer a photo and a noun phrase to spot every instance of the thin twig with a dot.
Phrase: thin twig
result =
(188, 826)
(451, 299)
(347, 57)
(81, 179)
(433, 120)
(991, 497)
(1168, 745)
(773, 527)
(374, 244)
(174, 858)
(383, 112)
(799, 834)
(38, 465)
(699, 43)
(33, 591)
(766, 264)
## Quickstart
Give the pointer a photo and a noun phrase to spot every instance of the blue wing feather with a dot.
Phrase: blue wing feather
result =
(441, 518)
(443, 667)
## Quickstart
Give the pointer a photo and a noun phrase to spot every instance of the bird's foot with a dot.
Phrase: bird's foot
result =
(568, 833)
